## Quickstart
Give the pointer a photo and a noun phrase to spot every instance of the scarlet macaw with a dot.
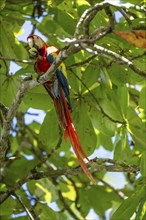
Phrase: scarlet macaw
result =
(58, 89)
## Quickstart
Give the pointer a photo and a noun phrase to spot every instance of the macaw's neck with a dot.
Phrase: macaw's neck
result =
(42, 51)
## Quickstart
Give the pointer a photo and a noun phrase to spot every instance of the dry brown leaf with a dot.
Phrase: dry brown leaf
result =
(136, 38)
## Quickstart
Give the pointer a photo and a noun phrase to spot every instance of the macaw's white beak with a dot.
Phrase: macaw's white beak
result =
(31, 42)
(33, 51)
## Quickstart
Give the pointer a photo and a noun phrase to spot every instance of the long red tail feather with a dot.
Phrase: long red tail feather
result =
(66, 122)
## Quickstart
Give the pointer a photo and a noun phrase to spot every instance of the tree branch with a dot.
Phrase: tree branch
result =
(3, 108)
(90, 13)
(120, 194)
(97, 50)
(99, 166)
(10, 114)
(17, 60)
(24, 207)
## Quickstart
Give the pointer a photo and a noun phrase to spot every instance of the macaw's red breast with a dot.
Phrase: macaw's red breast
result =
(41, 66)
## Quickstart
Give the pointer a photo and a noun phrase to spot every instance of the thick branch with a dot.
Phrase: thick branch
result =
(90, 13)
(10, 114)
(86, 18)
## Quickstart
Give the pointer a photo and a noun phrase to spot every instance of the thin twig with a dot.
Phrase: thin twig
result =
(99, 166)
(17, 60)
(138, 56)
(97, 102)
(96, 49)
(3, 108)
(66, 205)
(120, 194)
(24, 207)
(84, 62)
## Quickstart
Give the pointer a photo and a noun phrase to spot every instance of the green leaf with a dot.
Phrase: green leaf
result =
(90, 76)
(105, 78)
(129, 206)
(49, 133)
(64, 20)
(142, 164)
(68, 190)
(27, 70)
(110, 103)
(105, 141)
(142, 99)
(45, 190)
(141, 213)
(102, 123)
(2, 4)
(11, 47)
(9, 86)
(85, 130)
(122, 93)
(136, 128)
(38, 98)
(74, 81)
(17, 19)
(47, 213)
(119, 74)
(7, 208)
(68, 7)
(26, 166)
(122, 151)
(102, 196)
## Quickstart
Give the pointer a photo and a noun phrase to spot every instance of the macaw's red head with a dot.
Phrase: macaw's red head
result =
(37, 45)
(35, 41)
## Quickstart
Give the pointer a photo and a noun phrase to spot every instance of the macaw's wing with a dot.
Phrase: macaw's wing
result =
(52, 53)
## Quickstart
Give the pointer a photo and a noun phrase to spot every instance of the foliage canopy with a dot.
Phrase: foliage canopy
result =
(106, 75)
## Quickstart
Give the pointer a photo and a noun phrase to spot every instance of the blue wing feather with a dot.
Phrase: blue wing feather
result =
(60, 76)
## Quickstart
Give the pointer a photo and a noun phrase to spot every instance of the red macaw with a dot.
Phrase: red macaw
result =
(58, 89)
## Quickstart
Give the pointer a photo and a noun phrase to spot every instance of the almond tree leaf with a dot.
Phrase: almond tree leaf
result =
(142, 164)
(142, 98)
(141, 213)
(49, 130)
(2, 4)
(128, 207)
(47, 213)
(7, 208)
(38, 98)
(10, 46)
(9, 85)
(85, 129)
(136, 38)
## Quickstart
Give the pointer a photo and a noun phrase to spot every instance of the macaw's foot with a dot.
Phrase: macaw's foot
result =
(33, 52)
